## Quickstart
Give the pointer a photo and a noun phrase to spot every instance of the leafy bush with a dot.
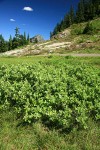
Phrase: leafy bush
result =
(89, 29)
(60, 95)
(68, 57)
(77, 29)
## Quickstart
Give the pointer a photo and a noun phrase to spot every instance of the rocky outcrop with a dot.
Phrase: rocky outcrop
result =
(62, 34)
(37, 39)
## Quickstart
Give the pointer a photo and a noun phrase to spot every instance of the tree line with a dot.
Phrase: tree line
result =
(86, 10)
(16, 41)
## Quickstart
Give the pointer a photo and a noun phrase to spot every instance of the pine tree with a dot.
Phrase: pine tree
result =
(56, 29)
(24, 38)
(17, 33)
(72, 16)
(66, 21)
(2, 43)
(15, 43)
(51, 34)
(63, 25)
(80, 12)
(96, 4)
(28, 38)
(16, 39)
(10, 43)
(21, 40)
(91, 10)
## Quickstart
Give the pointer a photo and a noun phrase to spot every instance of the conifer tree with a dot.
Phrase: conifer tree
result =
(96, 4)
(56, 29)
(80, 12)
(17, 33)
(28, 38)
(51, 34)
(62, 25)
(3, 44)
(16, 39)
(10, 43)
(92, 10)
(24, 38)
(66, 21)
(71, 13)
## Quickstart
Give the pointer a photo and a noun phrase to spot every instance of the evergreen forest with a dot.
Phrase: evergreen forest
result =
(86, 11)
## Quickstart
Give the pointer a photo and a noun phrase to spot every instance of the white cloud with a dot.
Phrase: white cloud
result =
(28, 9)
(12, 20)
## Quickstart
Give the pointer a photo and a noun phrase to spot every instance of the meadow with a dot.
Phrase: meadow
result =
(49, 103)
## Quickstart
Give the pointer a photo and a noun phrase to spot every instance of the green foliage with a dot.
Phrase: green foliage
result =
(72, 17)
(91, 27)
(3, 44)
(28, 38)
(59, 95)
(18, 40)
(14, 135)
(77, 30)
(88, 28)
(86, 10)
(80, 12)
(10, 43)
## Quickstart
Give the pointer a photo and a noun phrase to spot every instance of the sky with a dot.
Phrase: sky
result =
(32, 16)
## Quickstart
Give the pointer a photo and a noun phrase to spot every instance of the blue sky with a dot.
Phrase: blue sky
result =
(32, 16)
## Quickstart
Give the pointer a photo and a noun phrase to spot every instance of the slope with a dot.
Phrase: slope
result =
(71, 41)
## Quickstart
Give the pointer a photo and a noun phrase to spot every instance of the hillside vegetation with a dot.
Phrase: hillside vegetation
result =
(86, 10)
(78, 38)
(78, 31)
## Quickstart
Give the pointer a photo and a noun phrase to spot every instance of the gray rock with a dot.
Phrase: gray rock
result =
(62, 35)
(37, 39)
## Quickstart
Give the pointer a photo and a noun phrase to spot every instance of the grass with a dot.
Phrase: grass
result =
(92, 50)
(95, 61)
(88, 51)
(17, 136)
(77, 29)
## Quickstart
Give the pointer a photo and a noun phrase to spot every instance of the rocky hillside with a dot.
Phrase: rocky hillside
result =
(37, 39)
(79, 38)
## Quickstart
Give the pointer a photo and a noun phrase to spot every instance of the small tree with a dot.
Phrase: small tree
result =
(28, 38)
(88, 28)
(80, 12)
(3, 44)
(24, 39)
(15, 43)
(17, 33)
(72, 17)
(10, 43)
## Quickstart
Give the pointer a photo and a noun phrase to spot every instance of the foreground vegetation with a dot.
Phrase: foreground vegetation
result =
(58, 96)
(14, 136)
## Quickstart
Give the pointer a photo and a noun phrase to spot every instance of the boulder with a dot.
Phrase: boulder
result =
(37, 39)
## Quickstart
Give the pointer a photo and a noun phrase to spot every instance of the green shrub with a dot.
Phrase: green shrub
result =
(77, 30)
(59, 95)
(68, 57)
(89, 29)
